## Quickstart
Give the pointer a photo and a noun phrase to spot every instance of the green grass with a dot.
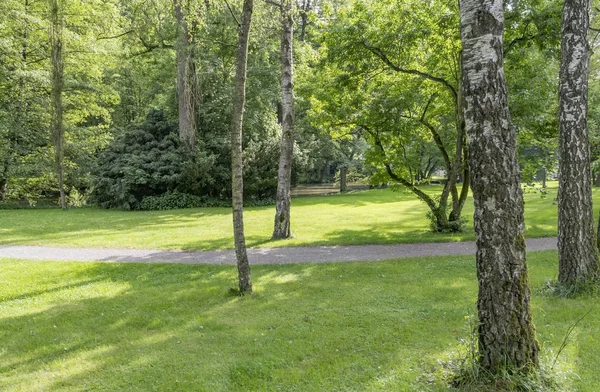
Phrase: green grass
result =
(376, 326)
(367, 217)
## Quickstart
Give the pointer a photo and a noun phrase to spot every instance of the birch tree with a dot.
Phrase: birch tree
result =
(577, 254)
(186, 73)
(56, 58)
(506, 334)
(284, 178)
(237, 165)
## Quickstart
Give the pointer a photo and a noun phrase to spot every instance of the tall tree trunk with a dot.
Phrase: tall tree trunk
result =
(506, 332)
(577, 255)
(56, 47)
(458, 201)
(237, 165)
(284, 178)
(186, 76)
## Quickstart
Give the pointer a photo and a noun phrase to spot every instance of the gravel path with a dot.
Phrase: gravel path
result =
(320, 254)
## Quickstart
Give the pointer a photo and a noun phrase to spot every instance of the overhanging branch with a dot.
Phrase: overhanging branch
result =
(381, 54)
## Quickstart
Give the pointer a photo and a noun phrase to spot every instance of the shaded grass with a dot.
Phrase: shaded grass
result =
(353, 326)
(366, 217)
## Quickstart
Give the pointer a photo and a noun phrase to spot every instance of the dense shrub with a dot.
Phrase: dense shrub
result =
(144, 160)
(175, 200)
(171, 201)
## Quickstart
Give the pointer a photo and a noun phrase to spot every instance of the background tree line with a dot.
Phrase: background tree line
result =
(147, 96)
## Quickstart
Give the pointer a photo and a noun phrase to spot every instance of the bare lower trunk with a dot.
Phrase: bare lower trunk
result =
(237, 186)
(506, 333)
(544, 177)
(343, 183)
(3, 187)
(577, 255)
(186, 77)
(56, 46)
(284, 178)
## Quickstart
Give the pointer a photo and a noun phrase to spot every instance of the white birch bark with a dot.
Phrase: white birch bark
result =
(577, 254)
(506, 334)
(284, 178)
(237, 165)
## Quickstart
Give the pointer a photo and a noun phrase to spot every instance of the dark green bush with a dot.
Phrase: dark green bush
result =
(170, 201)
(144, 160)
(147, 160)
(175, 200)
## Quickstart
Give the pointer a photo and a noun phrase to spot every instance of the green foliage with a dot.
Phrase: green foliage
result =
(456, 226)
(148, 159)
(170, 201)
(176, 200)
(589, 287)
(465, 373)
(144, 160)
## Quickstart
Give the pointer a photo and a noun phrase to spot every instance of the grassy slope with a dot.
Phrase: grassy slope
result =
(356, 326)
(369, 217)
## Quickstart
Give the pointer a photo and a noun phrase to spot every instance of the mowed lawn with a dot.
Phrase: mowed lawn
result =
(378, 326)
(366, 217)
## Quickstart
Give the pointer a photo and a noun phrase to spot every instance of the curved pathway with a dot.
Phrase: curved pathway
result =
(319, 254)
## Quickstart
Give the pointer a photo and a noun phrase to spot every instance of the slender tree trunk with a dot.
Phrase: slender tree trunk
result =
(237, 165)
(577, 255)
(506, 332)
(56, 45)
(186, 77)
(284, 178)
(306, 6)
(598, 234)
(458, 201)
(544, 177)
(343, 183)
(4, 182)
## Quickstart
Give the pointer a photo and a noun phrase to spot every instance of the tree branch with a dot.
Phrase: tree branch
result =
(381, 54)
(232, 14)
(272, 2)
(115, 36)
(419, 193)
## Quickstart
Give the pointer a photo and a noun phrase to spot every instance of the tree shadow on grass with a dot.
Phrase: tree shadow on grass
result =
(174, 327)
(390, 233)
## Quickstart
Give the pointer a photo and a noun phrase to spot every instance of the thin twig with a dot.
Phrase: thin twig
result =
(232, 14)
(569, 333)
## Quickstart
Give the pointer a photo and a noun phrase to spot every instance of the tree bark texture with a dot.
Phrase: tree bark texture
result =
(186, 76)
(56, 57)
(284, 178)
(506, 334)
(577, 255)
(237, 165)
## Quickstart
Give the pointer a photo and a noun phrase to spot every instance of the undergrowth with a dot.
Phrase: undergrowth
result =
(464, 372)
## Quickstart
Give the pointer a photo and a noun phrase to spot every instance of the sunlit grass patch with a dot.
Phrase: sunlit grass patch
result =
(366, 217)
(351, 326)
